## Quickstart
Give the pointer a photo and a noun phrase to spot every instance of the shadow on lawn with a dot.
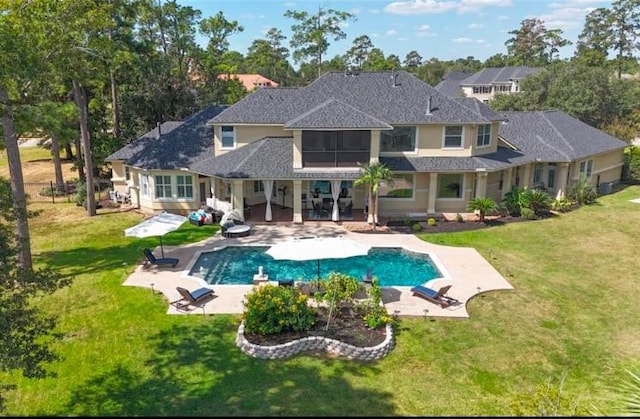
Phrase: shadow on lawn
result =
(196, 370)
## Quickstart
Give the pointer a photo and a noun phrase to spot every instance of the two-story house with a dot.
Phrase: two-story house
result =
(486, 83)
(301, 148)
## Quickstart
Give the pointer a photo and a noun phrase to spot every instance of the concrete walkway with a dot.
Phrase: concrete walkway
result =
(463, 268)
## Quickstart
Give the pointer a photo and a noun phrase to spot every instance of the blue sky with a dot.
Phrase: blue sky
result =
(442, 29)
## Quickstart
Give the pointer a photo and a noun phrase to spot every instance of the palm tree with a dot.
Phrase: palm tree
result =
(370, 176)
(484, 206)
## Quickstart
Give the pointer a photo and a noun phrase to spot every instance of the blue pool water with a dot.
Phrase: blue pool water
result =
(236, 265)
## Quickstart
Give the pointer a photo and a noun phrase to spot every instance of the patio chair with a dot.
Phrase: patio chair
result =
(435, 297)
(154, 261)
(192, 298)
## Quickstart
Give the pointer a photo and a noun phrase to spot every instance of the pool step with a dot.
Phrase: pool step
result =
(215, 271)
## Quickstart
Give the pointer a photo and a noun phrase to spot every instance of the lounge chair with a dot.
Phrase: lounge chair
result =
(435, 297)
(192, 298)
(154, 261)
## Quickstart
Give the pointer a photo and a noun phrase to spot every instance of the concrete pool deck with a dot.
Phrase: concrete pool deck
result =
(464, 269)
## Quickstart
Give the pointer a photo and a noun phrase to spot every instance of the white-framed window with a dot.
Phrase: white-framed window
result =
(127, 173)
(400, 139)
(401, 186)
(184, 184)
(163, 186)
(450, 185)
(453, 136)
(144, 184)
(586, 168)
(481, 89)
(484, 135)
(227, 136)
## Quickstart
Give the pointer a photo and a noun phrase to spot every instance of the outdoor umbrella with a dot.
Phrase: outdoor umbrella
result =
(158, 225)
(317, 248)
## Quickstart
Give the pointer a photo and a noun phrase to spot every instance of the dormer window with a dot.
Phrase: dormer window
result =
(227, 136)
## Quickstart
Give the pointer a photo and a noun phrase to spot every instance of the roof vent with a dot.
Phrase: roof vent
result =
(428, 112)
(394, 77)
(158, 125)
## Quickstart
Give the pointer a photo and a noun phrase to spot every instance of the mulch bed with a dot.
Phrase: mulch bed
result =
(348, 327)
(441, 226)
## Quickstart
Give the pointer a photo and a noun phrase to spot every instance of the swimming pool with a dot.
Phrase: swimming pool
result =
(236, 265)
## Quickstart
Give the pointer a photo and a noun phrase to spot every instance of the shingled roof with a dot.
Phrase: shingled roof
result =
(554, 136)
(392, 97)
(494, 75)
(179, 147)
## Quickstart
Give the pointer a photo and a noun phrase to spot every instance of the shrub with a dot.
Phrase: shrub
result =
(561, 205)
(513, 201)
(631, 168)
(537, 201)
(416, 227)
(81, 195)
(271, 309)
(583, 192)
(432, 221)
(484, 206)
(375, 315)
(528, 213)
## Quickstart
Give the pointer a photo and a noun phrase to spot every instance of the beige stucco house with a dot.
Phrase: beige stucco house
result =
(301, 148)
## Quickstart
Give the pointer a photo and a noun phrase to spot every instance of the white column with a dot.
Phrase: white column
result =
(433, 193)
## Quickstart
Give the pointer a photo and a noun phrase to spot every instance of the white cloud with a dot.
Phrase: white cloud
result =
(391, 32)
(565, 18)
(477, 26)
(423, 28)
(420, 7)
(424, 7)
(480, 41)
(375, 35)
(462, 40)
(503, 17)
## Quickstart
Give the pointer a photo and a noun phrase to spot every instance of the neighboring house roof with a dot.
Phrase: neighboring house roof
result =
(450, 83)
(250, 81)
(186, 143)
(554, 136)
(392, 97)
(495, 75)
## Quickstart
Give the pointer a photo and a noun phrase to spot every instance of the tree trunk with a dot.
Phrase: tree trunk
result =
(25, 262)
(79, 160)
(371, 218)
(114, 104)
(68, 151)
(80, 96)
(57, 164)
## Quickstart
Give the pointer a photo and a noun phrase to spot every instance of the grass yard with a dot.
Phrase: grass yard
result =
(570, 326)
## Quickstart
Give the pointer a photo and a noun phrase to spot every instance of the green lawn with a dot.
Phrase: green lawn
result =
(571, 323)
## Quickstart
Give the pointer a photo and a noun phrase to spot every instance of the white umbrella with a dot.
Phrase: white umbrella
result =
(158, 225)
(317, 248)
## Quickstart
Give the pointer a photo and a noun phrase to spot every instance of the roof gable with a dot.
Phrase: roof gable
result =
(335, 114)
